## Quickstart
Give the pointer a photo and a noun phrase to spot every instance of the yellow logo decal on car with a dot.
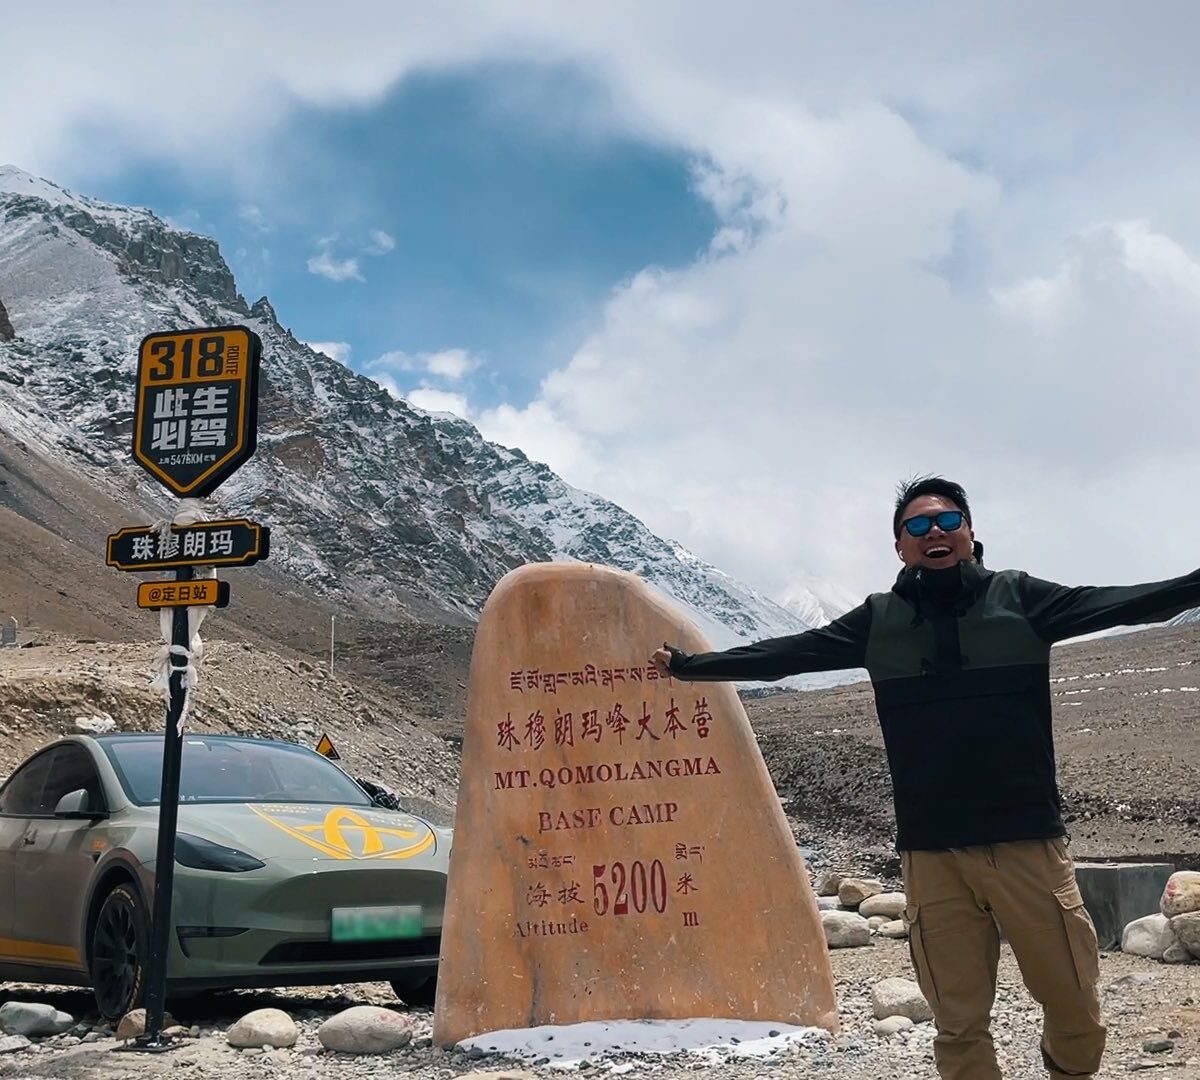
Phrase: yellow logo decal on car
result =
(347, 834)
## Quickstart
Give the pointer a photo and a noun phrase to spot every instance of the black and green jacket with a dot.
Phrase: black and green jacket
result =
(959, 660)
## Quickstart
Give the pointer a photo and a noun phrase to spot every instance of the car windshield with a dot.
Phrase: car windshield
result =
(217, 769)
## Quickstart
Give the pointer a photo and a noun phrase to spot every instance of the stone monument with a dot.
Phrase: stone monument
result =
(619, 849)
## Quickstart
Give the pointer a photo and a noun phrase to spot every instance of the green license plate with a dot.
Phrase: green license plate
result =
(377, 923)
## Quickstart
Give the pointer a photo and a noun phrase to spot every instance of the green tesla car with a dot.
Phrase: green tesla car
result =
(287, 872)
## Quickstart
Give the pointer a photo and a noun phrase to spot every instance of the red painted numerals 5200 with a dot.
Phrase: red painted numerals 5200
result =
(639, 887)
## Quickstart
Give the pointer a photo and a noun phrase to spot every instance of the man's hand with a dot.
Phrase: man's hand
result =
(662, 661)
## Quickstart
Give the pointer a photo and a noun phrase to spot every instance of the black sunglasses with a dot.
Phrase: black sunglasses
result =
(946, 520)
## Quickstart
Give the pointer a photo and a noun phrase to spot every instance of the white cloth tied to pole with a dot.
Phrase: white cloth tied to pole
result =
(190, 512)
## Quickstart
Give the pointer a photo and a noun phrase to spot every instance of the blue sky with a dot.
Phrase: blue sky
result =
(483, 209)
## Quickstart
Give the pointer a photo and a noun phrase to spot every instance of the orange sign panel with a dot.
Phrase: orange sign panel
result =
(200, 592)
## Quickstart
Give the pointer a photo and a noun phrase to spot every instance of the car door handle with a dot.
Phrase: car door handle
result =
(30, 838)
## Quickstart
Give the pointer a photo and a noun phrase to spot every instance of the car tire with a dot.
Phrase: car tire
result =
(419, 989)
(120, 952)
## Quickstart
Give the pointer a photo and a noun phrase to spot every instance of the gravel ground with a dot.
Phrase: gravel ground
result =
(1142, 1000)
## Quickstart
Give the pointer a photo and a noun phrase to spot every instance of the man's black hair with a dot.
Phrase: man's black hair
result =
(928, 485)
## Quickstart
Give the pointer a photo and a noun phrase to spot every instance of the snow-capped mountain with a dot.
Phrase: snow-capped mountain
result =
(372, 502)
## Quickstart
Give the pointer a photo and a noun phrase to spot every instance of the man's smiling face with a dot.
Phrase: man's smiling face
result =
(938, 548)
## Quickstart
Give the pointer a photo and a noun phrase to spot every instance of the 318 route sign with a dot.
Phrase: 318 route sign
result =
(196, 413)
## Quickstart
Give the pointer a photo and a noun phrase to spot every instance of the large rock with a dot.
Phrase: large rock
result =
(365, 1029)
(1182, 894)
(34, 1021)
(891, 904)
(897, 928)
(853, 891)
(827, 884)
(264, 1027)
(845, 929)
(899, 997)
(565, 717)
(1148, 936)
(133, 1025)
(1186, 929)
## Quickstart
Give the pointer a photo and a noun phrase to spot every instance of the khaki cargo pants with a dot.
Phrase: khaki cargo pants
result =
(1029, 886)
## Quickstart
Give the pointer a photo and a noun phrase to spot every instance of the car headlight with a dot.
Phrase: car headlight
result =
(201, 854)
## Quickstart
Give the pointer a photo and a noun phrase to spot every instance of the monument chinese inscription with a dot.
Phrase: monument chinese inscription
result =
(619, 848)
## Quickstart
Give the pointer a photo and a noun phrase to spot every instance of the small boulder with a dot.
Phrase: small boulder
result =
(1182, 894)
(899, 997)
(33, 1021)
(365, 1029)
(12, 1044)
(892, 1025)
(891, 904)
(133, 1025)
(1186, 929)
(828, 903)
(101, 724)
(853, 891)
(897, 928)
(827, 884)
(876, 921)
(1150, 936)
(845, 929)
(263, 1028)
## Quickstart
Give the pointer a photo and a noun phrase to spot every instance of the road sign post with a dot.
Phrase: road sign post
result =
(195, 424)
(168, 816)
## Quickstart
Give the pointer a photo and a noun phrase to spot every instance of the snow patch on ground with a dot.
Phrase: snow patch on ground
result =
(569, 1045)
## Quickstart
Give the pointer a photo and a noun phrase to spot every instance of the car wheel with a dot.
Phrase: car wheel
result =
(419, 989)
(120, 953)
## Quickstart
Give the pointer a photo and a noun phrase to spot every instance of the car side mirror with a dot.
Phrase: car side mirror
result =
(77, 804)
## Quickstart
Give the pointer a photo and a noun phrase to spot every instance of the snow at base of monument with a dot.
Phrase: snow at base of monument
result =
(717, 1040)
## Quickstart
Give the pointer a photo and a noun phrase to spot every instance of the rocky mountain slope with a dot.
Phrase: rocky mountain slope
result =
(377, 508)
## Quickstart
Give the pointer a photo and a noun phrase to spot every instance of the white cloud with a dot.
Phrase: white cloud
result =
(337, 350)
(961, 239)
(323, 264)
(393, 369)
(433, 400)
(381, 243)
(450, 364)
(253, 218)
(396, 360)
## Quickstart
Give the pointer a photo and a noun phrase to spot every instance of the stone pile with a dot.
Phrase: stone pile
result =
(1173, 935)
(855, 909)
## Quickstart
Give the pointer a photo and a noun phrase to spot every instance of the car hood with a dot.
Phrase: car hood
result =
(314, 831)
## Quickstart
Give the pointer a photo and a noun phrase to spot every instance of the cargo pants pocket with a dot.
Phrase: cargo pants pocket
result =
(1081, 935)
(916, 950)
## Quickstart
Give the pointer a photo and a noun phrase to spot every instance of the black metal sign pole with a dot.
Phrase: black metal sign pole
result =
(168, 814)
